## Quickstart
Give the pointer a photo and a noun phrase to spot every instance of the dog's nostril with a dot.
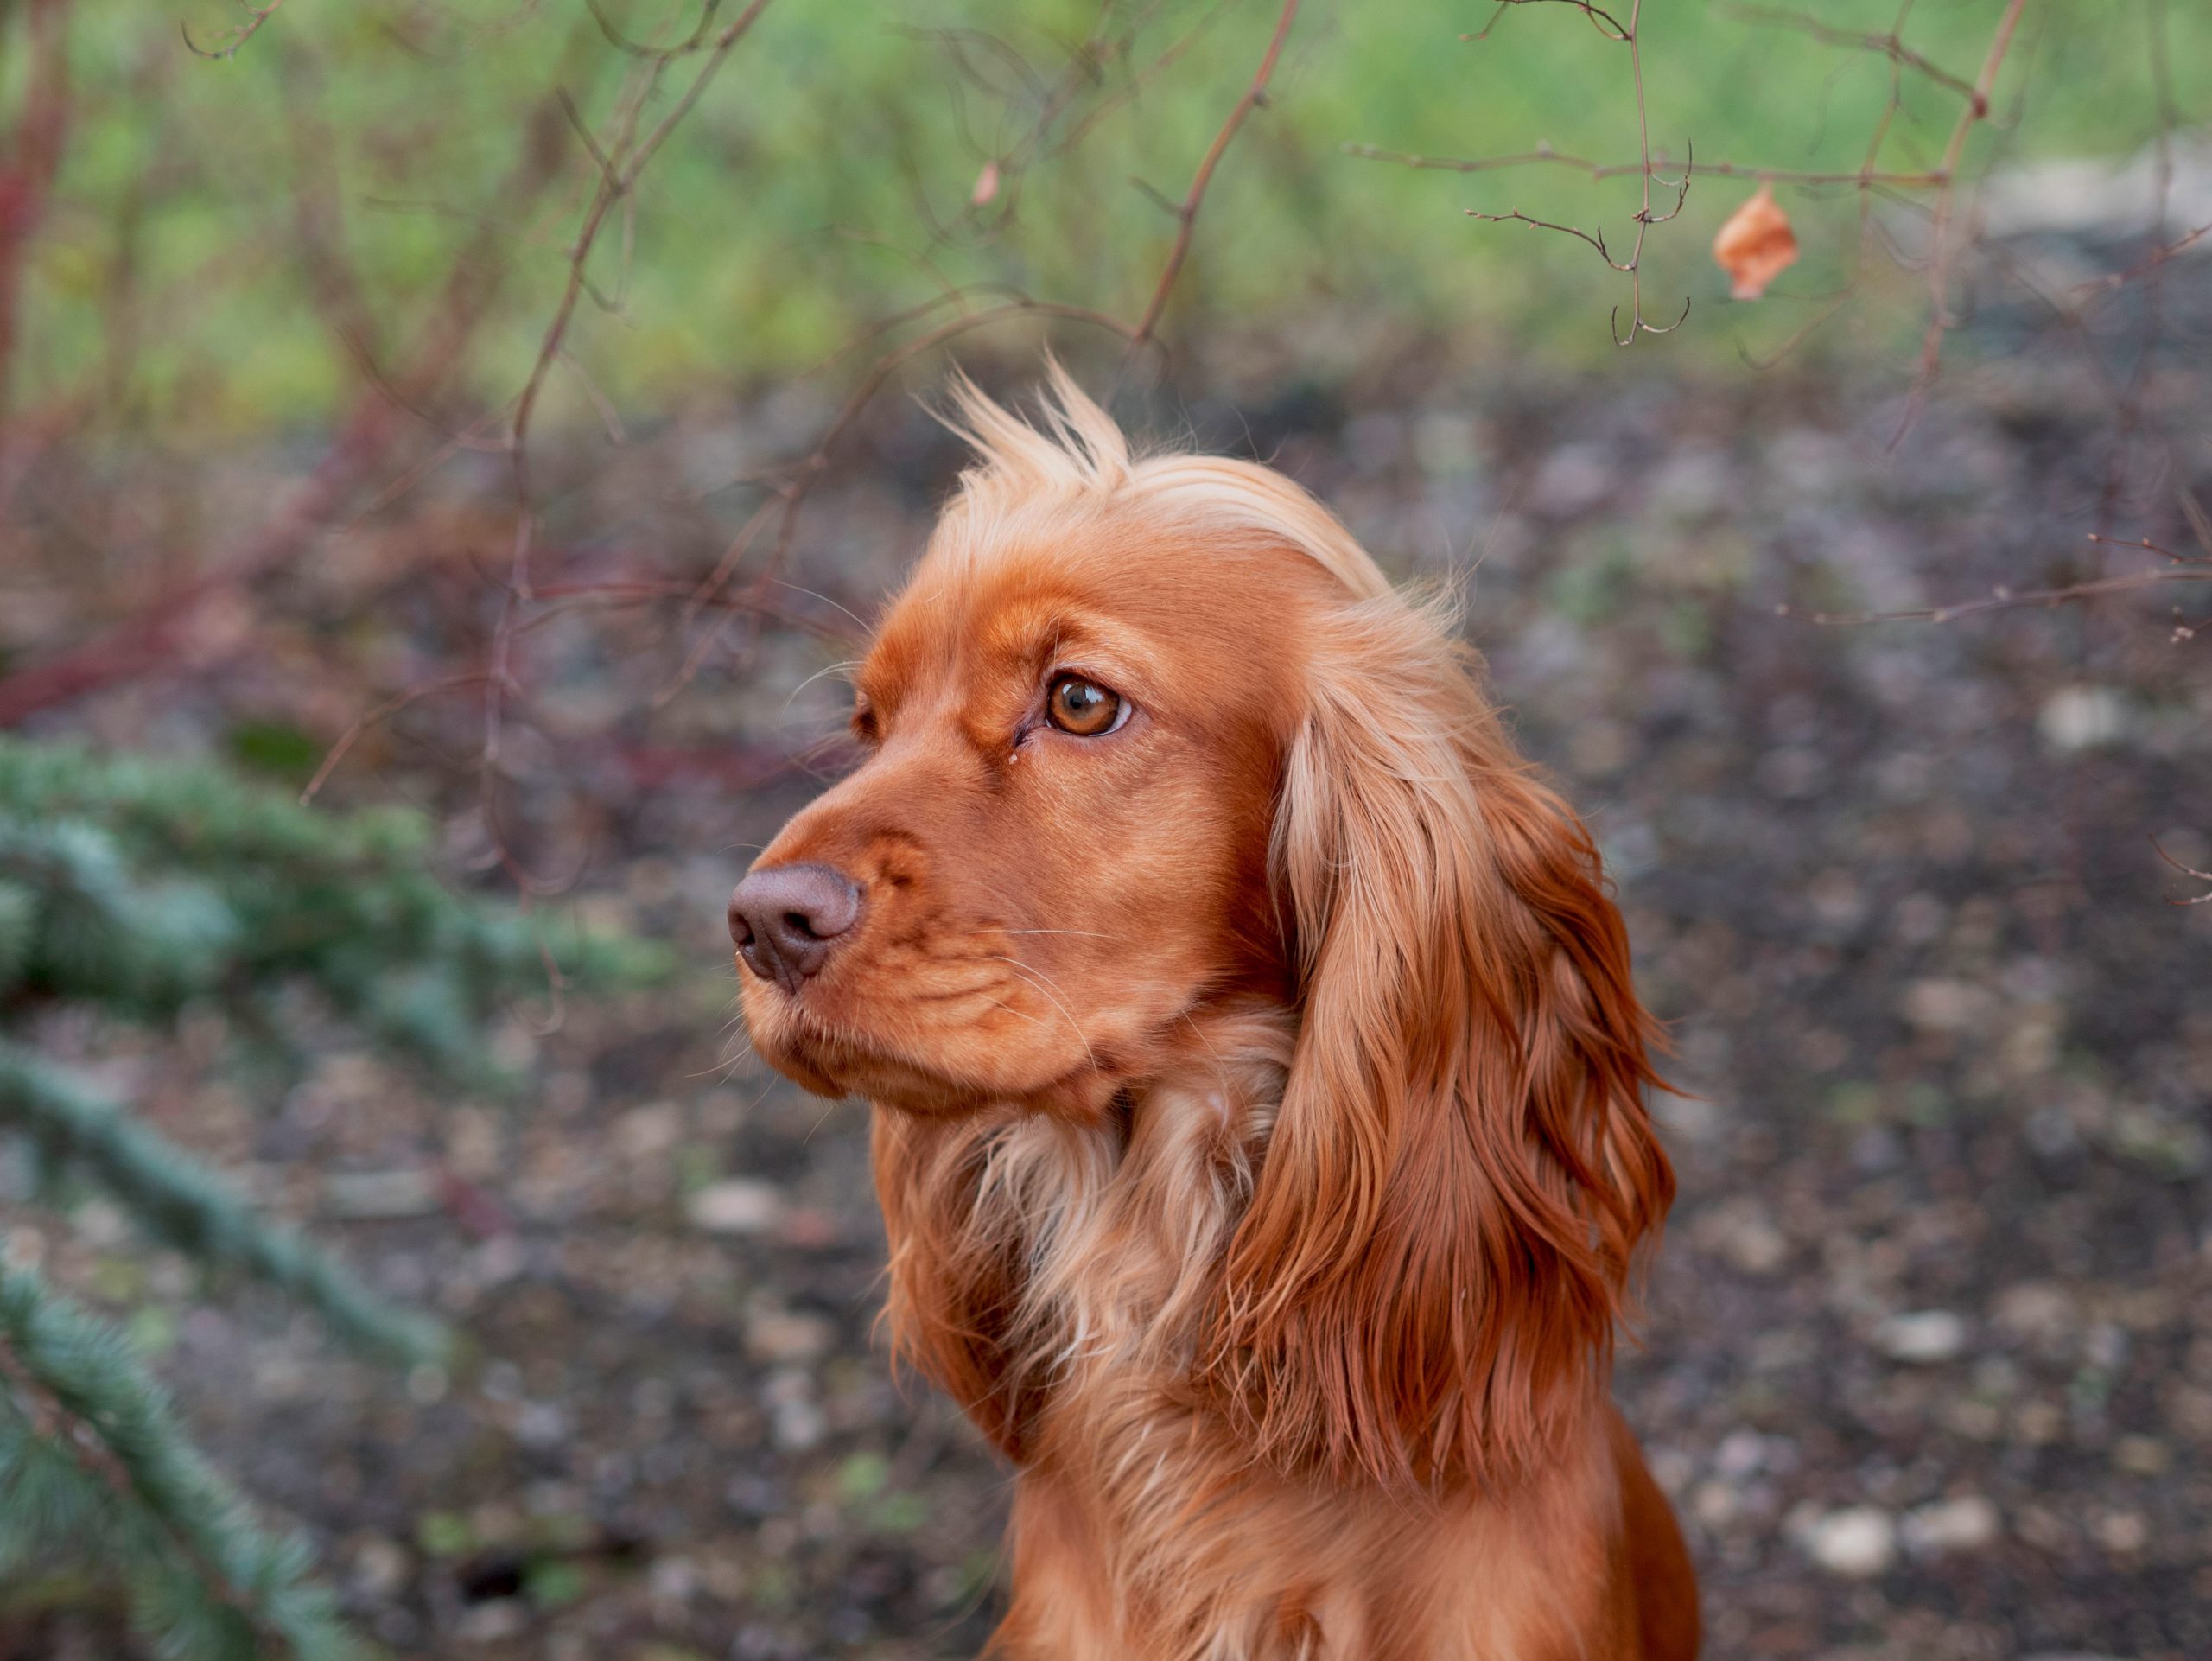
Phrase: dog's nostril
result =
(786, 920)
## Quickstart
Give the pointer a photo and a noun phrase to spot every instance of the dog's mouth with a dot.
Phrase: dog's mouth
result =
(834, 1062)
(925, 1053)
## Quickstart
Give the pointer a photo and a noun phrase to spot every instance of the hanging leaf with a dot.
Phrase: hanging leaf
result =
(987, 186)
(1756, 245)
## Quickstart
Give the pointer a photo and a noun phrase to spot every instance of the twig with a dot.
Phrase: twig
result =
(29, 168)
(1604, 21)
(1187, 215)
(2130, 411)
(784, 505)
(235, 37)
(1595, 238)
(2113, 280)
(1139, 80)
(373, 716)
(1624, 34)
(622, 42)
(1888, 45)
(1544, 153)
(2186, 870)
(619, 166)
(1869, 181)
(2002, 599)
(366, 437)
(1939, 244)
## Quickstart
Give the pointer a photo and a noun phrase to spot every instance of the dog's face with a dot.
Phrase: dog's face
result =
(1056, 848)
(1150, 735)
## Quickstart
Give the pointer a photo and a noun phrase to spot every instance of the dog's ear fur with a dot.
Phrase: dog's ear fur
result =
(1441, 1237)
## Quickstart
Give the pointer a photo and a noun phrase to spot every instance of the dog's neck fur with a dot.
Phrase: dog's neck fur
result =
(1094, 1252)
(1126, 1221)
(1094, 1246)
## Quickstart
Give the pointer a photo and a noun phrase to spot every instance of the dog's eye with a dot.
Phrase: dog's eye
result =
(1083, 707)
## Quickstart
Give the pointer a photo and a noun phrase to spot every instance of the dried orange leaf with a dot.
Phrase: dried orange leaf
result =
(987, 186)
(1756, 245)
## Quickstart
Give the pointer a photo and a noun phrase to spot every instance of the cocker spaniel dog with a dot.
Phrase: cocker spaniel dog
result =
(1258, 1087)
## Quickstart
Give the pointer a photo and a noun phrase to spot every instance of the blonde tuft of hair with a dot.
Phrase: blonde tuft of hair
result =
(1074, 458)
(1074, 449)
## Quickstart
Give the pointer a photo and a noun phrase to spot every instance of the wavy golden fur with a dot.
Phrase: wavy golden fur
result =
(1260, 1119)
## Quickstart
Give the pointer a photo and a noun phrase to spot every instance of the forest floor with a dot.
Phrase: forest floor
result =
(1928, 1360)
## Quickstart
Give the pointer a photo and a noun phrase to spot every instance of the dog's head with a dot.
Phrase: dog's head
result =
(1148, 736)
(1075, 718)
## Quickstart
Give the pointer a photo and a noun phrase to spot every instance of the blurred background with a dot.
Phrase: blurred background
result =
(491, 425)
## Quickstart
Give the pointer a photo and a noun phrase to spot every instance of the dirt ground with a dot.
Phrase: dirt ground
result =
(1928, 1364)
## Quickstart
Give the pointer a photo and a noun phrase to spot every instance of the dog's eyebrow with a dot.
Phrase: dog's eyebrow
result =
(879, 681)
(1042, 634)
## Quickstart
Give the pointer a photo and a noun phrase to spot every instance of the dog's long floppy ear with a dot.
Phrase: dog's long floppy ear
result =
(1439, 1242)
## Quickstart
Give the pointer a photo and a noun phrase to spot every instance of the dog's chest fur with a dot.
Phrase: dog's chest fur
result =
(1141, 1527)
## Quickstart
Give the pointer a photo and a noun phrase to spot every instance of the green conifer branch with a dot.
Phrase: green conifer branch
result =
(185, 1205)
(91, 1455)
(137, 888)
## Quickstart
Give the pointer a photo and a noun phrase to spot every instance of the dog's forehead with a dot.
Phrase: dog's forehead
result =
(1047, 590)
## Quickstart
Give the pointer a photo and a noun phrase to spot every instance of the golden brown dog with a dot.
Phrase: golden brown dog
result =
(1258, 1085)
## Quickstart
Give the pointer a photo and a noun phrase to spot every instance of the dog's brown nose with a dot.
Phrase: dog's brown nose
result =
(785, 921)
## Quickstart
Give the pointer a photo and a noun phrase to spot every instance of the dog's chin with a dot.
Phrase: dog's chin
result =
(840, 1064)
(891, 1081)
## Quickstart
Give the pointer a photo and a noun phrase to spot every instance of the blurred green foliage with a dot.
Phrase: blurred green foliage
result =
(824, 180)
(140, 886)
(95, 1467)
(135, 891)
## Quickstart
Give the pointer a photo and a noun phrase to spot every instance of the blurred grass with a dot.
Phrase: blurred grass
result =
(823, 180)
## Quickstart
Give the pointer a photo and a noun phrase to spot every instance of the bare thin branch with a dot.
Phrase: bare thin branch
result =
(1646, 216)
(1889, 45)
(1188, 213)
(2188, 871)
(2002, 599)
(234, 37)
(1544, 154)
(1940, 251)
(1604, 21)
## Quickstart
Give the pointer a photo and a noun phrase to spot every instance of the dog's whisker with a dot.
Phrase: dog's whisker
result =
(811, 594)
(1201, 1033)
(819, 674)
(1085, 933)
(1045, 984)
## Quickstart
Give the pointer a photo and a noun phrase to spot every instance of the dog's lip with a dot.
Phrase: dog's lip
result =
(835, 1053)
(861, 1063)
